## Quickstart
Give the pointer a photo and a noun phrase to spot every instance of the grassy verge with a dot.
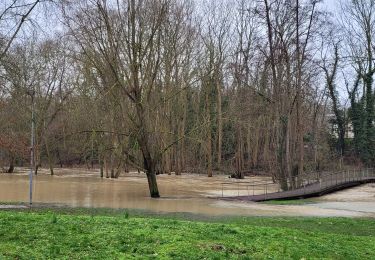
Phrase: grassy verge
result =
(103, 234)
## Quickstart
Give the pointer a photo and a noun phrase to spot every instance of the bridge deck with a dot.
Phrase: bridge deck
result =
(323, 186)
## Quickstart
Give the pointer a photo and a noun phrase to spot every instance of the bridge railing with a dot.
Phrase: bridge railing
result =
(308, 183)
(247, 188)
(346, 176)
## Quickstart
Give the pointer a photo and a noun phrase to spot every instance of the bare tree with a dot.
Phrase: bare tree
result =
(13, 16)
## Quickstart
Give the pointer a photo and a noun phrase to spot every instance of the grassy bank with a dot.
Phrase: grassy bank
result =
(102, 235)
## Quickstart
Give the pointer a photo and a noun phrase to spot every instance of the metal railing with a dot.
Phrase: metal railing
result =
(247, 188)
(307, 183)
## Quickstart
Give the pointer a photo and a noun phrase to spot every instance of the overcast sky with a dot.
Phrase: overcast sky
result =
(331, 5)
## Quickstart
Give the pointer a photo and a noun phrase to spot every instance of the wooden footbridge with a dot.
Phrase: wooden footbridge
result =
(312, 185)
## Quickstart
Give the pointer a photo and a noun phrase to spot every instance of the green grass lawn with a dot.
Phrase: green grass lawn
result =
(100, 235)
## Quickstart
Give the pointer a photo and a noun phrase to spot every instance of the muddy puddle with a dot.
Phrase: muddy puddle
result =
(195, 194)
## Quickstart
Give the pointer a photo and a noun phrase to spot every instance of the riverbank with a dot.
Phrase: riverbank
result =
(103, 234)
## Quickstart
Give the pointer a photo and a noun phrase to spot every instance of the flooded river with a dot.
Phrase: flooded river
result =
(187, 193)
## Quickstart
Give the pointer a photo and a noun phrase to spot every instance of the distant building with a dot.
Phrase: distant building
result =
(349, 133)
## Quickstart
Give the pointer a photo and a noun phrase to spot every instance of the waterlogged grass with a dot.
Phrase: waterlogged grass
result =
(54, 234)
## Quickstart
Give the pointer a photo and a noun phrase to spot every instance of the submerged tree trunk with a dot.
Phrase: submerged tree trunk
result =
(101, 168)
(50, 164)
(152, 184)
(149, 163)
(106, 167)
(150, 168)
(11, 165)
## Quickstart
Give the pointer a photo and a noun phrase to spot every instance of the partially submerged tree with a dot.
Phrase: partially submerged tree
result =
(176, 86)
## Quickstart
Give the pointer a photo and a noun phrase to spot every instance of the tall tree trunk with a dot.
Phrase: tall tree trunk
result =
(299, 95)
(250, 161)
(219, 126)
(339, 115)
(256, 145)
(180, 147)
(370, 129)
(208, 136)
(239, 154)
(283, 154)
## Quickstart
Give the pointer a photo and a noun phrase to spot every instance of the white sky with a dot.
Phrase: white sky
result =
(331, 4)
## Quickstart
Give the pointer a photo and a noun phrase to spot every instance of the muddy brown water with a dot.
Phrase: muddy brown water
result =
(188, 193)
